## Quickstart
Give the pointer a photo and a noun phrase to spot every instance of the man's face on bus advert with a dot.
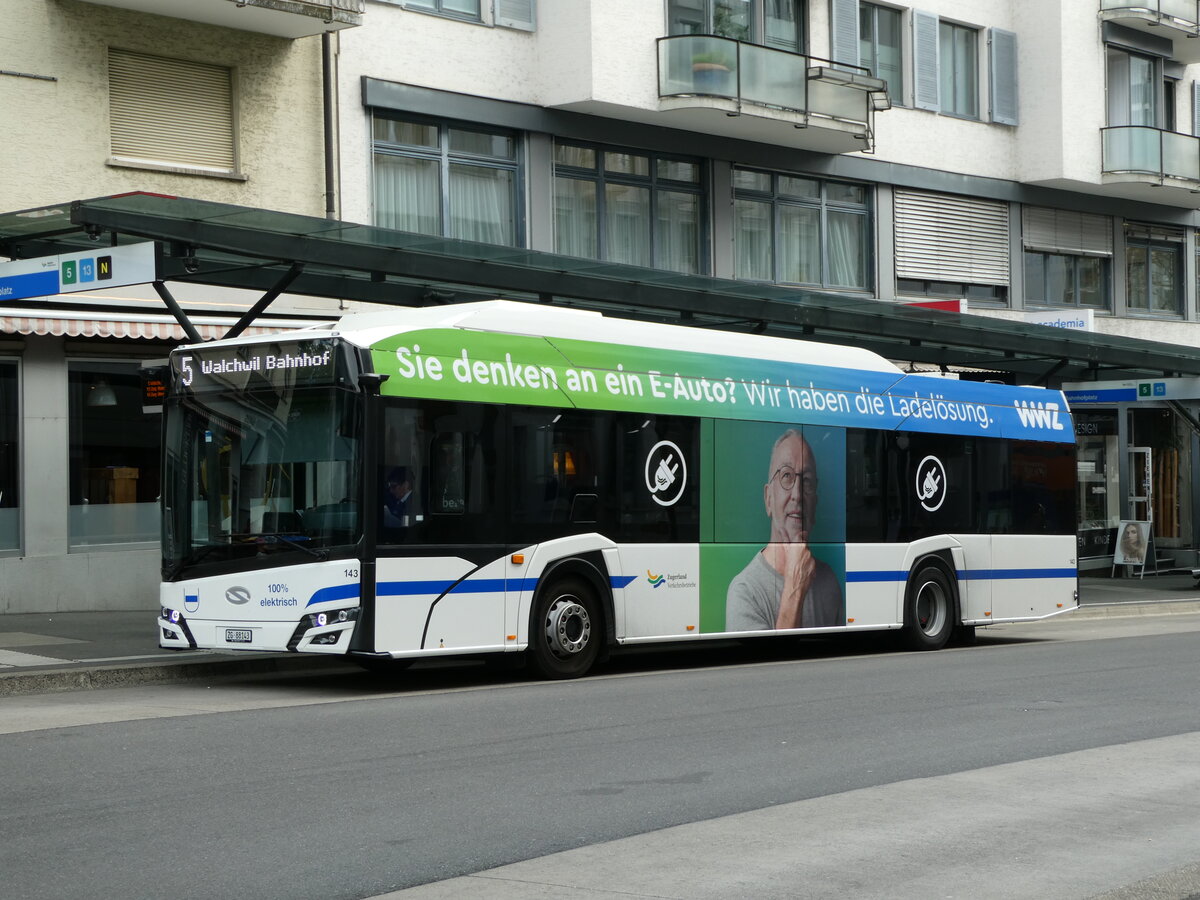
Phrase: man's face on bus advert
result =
(791, 492)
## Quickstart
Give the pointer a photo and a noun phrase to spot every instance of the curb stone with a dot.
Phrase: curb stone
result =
(84, 677)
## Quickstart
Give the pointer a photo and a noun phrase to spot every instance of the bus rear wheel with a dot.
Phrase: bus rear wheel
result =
(566, 630)
(928, 609)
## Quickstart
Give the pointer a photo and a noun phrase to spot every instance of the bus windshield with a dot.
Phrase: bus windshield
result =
(262, 475)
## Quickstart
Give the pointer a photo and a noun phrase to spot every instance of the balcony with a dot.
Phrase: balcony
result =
(728, 87)
(1176, 20)
(281, 18)
(1166, 161)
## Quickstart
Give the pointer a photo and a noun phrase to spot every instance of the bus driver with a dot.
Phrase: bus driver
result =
(784, 585)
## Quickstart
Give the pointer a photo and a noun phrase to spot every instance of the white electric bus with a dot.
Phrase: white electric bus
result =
(504, 477)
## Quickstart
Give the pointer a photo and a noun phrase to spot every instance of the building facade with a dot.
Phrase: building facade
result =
(1032, 161)
(99, 99)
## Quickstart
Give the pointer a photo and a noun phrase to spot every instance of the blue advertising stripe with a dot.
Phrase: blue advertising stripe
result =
(1008, 574)
(963, 574)
(337, 592)
(473, 586)
(867, 576)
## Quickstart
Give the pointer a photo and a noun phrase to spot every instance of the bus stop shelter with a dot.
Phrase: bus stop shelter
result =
(216, 244)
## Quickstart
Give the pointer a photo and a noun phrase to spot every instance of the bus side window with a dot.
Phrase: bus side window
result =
(448, 491)
(559, 470)
(864, 486)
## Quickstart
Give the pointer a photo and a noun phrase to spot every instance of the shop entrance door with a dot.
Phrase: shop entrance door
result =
(1141, 484)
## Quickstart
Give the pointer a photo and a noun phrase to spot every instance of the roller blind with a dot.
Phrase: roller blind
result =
(941, 237)
(1060, 231)
(171, 111)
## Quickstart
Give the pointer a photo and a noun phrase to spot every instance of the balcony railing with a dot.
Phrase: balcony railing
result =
(282, 18)
(1140, 150)
(1184, 13)
(753, 75)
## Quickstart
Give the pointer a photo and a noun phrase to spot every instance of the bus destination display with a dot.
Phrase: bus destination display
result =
(309, 363)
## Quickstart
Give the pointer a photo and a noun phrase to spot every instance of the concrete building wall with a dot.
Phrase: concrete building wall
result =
(61, 150)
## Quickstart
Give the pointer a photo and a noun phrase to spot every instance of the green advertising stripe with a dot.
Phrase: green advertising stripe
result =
(483, 367)
(508, 369)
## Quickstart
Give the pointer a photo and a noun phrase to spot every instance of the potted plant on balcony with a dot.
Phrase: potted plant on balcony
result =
(712, 72)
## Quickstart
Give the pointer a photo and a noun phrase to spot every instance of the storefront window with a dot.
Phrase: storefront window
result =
(1098, 470)
(1161, 432)
(10, 497)
(114, 463)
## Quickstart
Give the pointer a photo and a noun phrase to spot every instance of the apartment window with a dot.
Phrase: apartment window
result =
(464, 9)
(1068, 258)
(640, 209)
(946, 69)
(1153, 270)
(958, 69)
(797, 230)
(1135, 88)
(774, 23)
(171, 112)
(10, 472)
(447, 179)
(1060, 279)
(114, 456)
(879, 46)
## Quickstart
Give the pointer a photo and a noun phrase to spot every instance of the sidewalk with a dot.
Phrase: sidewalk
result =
(44, 652)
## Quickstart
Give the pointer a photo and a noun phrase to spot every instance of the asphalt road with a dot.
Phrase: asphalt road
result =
(297, 788)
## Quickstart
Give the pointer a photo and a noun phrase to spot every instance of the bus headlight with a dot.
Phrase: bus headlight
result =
(330, 617)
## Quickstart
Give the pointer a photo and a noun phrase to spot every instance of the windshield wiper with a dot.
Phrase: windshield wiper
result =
(292, 542)
(188, 560)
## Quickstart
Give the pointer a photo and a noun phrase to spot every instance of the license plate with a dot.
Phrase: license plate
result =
(238, 636)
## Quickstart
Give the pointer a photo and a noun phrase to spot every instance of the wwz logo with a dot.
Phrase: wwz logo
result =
(931, 483)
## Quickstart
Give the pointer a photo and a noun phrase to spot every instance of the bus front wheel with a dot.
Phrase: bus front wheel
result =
(566, 630)
(928, 609)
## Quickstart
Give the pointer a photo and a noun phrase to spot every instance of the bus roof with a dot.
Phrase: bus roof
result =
(536, 320)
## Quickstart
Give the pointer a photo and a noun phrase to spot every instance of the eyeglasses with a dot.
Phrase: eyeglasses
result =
(787, 476)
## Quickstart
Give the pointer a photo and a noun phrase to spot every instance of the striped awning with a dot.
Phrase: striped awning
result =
(149, 328)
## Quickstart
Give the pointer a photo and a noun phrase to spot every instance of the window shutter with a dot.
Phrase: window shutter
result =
(171, 111)
(946, 238)
(844, 31)
(1196, 108)
(1003, 47)
(515, 14)
(925, 61)
(1061, 231)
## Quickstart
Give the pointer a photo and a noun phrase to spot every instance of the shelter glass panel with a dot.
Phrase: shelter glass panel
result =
(114, 464)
